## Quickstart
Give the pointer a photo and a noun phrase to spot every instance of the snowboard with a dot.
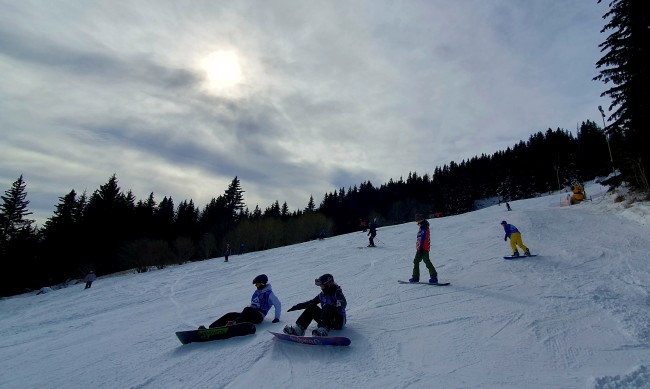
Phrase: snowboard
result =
(314, 340)
(424, 283)
(215, 333)
(519, 257)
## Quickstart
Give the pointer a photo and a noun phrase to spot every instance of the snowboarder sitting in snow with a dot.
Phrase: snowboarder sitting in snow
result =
(515, 239)
(422, 245)
(372, 233)
(330, 315)
(261, 303)
(90, 277)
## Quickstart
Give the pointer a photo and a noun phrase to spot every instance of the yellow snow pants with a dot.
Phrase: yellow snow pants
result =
(515, 240)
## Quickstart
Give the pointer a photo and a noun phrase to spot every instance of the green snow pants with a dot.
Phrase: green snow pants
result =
(423, 255)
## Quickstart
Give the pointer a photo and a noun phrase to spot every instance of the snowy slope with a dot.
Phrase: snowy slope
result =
(577, 316)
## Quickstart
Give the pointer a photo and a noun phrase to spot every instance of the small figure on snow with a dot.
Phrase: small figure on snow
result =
(515, 239)
(372, 233)
(241, 249)
(261, 302)
(90, 277)
(227, 252)
(330, 315)
(508, 206)
(422, 247)
(323, 233)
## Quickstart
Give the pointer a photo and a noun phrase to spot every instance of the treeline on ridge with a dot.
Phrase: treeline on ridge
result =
(110, 231)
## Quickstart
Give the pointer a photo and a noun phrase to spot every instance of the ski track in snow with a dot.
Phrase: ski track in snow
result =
(575, 316)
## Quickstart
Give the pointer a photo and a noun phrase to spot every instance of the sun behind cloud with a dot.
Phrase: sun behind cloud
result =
(223, 70)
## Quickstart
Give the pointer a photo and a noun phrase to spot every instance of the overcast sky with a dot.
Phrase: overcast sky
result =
(296, 98)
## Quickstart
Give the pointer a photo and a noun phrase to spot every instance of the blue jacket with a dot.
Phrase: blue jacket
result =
(263, 299)
(510, 229)
(331, 296)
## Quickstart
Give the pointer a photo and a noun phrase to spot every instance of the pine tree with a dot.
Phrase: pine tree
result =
(626, 65)
(18, 241)
(13, 213)
(234, 198)
(311, 206)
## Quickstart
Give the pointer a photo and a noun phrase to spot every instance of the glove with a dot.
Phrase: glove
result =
(294, 308)
(505, 238)
(275, 320)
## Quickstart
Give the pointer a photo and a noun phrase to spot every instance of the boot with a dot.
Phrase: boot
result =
(294, 330)
(320, 331)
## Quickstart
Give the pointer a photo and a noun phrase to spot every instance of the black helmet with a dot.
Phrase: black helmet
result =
(324, 280)
(503, 223)
(261, 279)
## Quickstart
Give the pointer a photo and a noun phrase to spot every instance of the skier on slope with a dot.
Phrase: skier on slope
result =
(515, 239)
(90, 278)
(372, 233)
(330, 315)
(261, 302)
(227, 252)
(422, 245)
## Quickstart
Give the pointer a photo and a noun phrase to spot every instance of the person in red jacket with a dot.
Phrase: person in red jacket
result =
(422, 246)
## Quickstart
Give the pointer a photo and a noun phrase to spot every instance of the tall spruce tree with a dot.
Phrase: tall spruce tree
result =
(234, 197)
(626, 65)
(18, 241)
(13, 212)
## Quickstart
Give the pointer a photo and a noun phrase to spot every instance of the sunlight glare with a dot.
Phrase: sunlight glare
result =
(222, 69)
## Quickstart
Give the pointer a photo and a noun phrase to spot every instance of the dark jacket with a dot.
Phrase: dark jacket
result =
(333, 296)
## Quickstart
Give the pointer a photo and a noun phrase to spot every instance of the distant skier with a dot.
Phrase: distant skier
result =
(330, 315)
(422, 246)
(515, 239)
(227, 252)
(363, 225)
(508, 206)
(323, 233)
(241, 249)
(261, 302)
(90, 278)
(372, 233)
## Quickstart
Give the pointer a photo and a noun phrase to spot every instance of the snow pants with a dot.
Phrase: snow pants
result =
(326, 317)
(248, 315)
(423, 255)
(515, 240)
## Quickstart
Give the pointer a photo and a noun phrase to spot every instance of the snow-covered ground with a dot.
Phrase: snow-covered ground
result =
(576, 316)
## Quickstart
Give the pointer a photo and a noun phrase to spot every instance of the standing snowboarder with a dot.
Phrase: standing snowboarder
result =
(227, 252)
(372, 233)
(90, 278)
(422, 246)
(330, 315)
(508, 206)
(515, 239)
(261, 302)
